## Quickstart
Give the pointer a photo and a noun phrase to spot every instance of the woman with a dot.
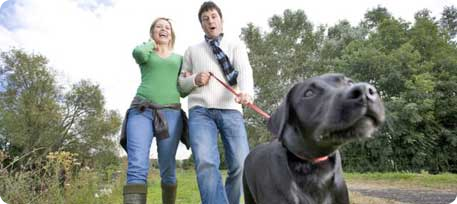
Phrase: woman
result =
(155, 112)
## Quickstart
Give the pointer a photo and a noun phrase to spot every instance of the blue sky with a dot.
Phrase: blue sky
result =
(93, 39)
(7, 14)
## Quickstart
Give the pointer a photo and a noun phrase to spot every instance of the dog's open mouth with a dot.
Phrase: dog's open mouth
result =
(362, 128)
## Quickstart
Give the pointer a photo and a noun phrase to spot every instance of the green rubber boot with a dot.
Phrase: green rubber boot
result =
(168, 193)
(135, 193)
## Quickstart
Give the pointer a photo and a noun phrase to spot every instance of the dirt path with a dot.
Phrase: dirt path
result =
(402, 195)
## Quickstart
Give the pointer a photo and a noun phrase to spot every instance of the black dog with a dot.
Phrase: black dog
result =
(303, 165)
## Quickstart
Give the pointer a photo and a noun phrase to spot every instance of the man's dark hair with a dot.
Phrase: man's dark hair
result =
(206, 6)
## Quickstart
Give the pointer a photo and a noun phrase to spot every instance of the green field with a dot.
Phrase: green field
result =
(188, 190)
(95, 187)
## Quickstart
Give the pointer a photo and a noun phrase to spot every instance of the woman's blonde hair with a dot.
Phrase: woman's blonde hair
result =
(173, 36)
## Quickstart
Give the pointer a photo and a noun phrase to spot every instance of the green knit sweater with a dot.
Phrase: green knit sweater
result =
(158, 75)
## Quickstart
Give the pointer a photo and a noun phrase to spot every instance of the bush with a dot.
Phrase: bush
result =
(58, 179)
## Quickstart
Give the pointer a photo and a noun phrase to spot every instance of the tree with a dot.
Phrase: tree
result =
(338, 37)
(28, 106)
(403, 62)
(37, 116)
(413, 66)
(376, 16)
(283, 56)
(90, 129)
(448, 21)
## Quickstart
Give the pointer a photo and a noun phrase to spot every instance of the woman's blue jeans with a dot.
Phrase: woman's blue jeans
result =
(139, 138)
(204, 126)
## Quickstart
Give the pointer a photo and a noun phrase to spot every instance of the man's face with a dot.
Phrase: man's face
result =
(211, 23)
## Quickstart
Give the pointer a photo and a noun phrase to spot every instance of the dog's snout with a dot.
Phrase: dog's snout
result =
(362, 91)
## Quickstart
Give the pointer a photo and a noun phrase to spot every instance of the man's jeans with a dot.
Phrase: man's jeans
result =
(204, 126)
(139, 138)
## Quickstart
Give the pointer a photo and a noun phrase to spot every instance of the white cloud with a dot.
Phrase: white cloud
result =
(93, 39)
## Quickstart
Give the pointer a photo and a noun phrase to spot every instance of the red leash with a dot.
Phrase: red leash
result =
(250, 105)
(265, 115)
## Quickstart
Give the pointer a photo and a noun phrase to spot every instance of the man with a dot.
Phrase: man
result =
(213, 109)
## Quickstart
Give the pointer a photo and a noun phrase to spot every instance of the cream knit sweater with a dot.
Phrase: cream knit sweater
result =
(200, 58)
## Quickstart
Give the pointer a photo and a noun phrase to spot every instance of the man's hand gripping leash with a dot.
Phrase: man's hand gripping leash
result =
(250, 104)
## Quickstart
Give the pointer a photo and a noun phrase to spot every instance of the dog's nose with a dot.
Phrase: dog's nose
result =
(362, 91)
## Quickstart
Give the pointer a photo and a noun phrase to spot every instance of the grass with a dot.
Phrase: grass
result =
(357, 198)
(105, 186)
(187, 187)
(445, 181)
(188, 190)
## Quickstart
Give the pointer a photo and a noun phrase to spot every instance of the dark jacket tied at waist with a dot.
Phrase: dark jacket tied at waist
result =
(160, 123)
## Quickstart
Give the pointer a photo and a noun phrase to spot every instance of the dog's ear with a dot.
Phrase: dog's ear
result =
(280, 117)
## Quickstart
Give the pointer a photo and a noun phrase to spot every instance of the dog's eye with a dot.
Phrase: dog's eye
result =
(350, 83)
(309, 93)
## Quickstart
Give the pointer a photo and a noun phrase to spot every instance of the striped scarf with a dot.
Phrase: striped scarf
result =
(227, 68)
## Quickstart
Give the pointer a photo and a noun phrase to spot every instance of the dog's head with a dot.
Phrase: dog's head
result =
(322, 113)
